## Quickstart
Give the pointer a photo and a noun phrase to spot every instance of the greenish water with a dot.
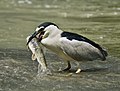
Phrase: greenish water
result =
(98, 20)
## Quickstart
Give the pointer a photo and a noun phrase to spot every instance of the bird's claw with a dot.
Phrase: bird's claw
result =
(78, 71)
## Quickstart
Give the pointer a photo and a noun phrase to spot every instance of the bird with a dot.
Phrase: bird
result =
(68, 45)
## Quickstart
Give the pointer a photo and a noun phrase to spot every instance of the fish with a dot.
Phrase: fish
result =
(38, 54)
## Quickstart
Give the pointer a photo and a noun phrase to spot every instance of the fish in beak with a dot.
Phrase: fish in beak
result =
(31, 37)
(38, 34)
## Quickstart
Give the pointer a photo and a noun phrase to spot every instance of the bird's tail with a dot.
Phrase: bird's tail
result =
(104, 53)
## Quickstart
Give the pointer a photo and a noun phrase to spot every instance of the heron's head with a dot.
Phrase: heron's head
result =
(43, 31)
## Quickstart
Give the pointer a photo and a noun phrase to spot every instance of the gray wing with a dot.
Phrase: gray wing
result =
(80, 50)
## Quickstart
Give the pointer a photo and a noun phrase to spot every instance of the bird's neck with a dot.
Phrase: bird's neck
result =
(56, 32)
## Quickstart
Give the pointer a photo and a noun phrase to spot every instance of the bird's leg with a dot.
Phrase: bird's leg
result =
(78, 70)
(68, 67)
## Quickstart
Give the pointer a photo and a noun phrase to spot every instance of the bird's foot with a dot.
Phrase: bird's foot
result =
(66, 69)
(78, 71)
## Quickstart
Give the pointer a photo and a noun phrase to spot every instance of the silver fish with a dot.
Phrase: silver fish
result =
(37, 53)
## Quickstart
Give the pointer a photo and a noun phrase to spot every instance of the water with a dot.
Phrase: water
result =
(95, 19)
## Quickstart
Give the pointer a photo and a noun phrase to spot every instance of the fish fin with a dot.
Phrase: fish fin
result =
(33, 57)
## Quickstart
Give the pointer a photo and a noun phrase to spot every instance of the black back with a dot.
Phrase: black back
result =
(75, 36)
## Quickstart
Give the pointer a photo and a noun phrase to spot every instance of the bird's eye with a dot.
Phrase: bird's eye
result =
(46, 35)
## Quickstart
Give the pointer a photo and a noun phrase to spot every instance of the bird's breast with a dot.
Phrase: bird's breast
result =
(54, 46)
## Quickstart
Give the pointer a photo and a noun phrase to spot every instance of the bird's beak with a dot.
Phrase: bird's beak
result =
(32, 36)
(39, 32)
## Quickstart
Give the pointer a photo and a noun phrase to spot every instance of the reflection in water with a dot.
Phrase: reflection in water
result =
(98, 21)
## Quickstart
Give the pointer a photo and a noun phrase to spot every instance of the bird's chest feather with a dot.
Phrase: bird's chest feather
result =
(51, 43)
(54, 45)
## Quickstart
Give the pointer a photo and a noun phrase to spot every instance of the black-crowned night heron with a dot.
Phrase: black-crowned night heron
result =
(69, 46)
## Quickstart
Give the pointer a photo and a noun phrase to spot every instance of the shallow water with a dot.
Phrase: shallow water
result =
(95, 19)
